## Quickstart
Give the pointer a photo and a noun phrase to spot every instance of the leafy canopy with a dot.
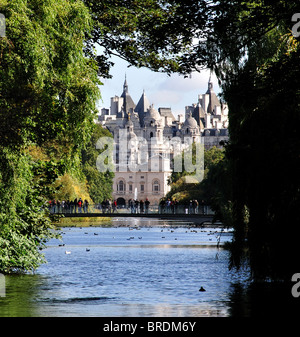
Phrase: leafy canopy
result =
(48, 92)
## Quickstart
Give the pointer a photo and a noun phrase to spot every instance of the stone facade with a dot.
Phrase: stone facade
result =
(142, 137)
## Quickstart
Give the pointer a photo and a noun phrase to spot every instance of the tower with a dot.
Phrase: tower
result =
(128, 104)
(213, 99)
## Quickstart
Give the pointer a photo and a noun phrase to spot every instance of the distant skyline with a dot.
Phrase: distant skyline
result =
(173, 91)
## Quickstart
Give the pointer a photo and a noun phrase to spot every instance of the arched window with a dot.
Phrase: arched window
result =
(121, 186)
(187, 130)
(156, 186)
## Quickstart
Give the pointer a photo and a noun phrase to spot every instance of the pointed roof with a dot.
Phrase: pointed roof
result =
(125, 86)
(128, 101)
(142, 107)
(213, 99)
(199, 114)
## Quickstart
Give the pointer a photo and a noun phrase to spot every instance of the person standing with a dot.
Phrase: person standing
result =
(136, 203)
(175, 203)
(141, 206)
(195, 206)
(80, 204)
(147, 203)
(53, 206)
(114, 206)
(108, 205)
(75, 204)
(71, 206)
(168, 204)
(103, 206)
(131, 205)
(86, 206)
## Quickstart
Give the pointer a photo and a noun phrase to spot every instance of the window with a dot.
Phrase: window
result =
(156, 186)
(130, 188)
(121, 186)
(151, 134)
(142, 188)
(142, 177)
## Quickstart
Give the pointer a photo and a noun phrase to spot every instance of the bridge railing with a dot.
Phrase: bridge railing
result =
(97, 208)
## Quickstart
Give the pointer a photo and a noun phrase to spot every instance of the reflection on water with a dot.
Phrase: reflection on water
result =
(152, 269)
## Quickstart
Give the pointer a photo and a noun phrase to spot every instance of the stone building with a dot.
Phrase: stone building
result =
(145, 140)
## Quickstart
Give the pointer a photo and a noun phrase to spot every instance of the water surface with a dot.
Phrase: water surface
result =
(132, 268)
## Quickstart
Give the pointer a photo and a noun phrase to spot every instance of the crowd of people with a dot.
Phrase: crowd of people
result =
(135, 206)
(187, 207)
(138, 206)
(67, 206)
(108, 206)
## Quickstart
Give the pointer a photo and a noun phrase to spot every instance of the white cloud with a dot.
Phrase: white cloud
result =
(162, 90)
(165, 98)
(198, 81)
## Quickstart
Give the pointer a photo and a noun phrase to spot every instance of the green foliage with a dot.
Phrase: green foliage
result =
(216, 187)
(99, 183)
(68, 187)
(205, 190)
(48, 91)
(262, 91)
(24, 225)
(48, 88)
(167, 36)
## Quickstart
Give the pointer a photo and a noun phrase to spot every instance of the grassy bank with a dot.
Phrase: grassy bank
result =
(83, 222)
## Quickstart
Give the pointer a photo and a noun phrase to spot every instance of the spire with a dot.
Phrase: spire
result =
(128, 102)
(210, 84)
(213, 99)
(125, 86)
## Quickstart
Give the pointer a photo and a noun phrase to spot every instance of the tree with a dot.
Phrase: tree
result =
(210, 189)
(250, 47)
(48, 92)
(167, 36)
(99, 183)
(265, 157)
(261, 87)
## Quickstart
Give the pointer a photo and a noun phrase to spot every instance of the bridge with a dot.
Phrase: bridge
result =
(199, 219)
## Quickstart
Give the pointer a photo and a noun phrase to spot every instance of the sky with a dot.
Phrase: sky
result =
(173, 91)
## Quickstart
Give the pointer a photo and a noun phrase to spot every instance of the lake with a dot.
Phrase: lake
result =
(135, 267)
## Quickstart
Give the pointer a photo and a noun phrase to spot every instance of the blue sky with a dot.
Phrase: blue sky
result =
(162, 90)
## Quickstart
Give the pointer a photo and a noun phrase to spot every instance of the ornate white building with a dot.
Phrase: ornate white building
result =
(145, 140)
